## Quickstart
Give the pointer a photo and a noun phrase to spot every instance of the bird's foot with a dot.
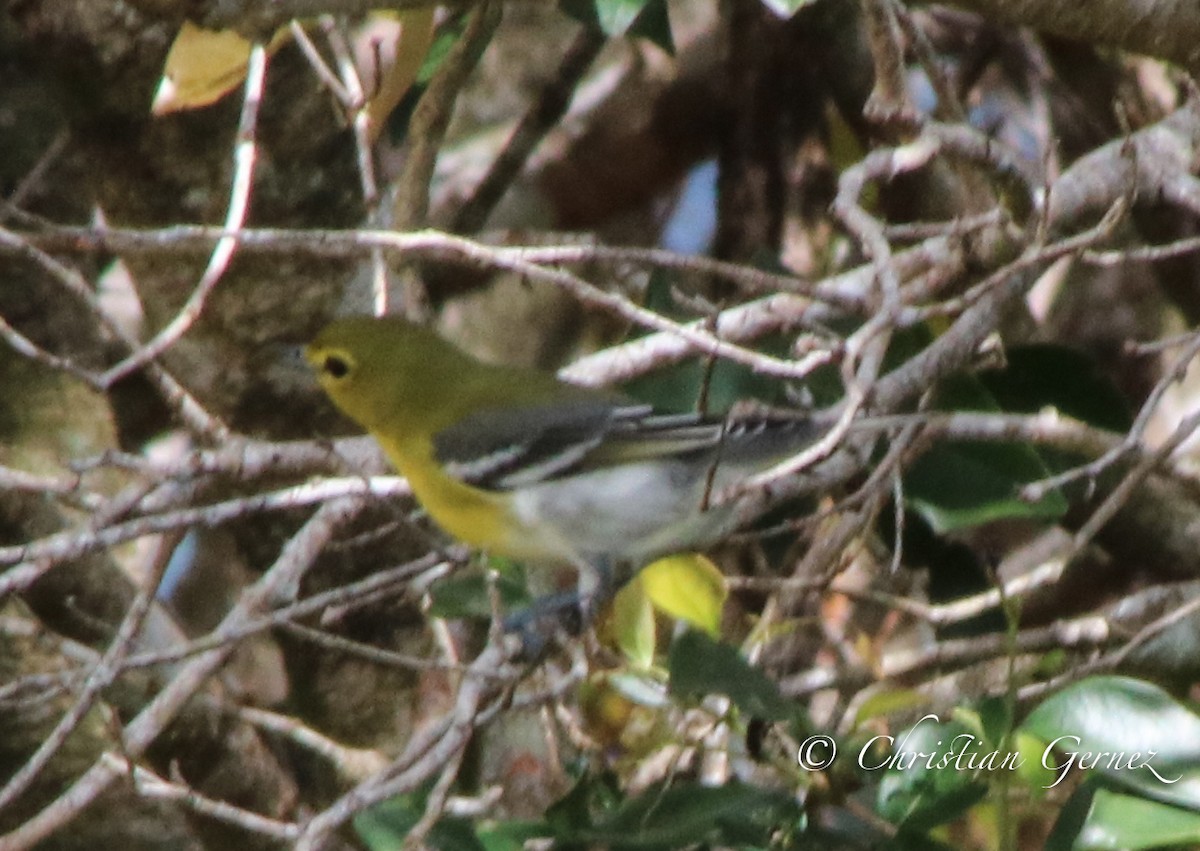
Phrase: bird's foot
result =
(546, 619)
(564, 615)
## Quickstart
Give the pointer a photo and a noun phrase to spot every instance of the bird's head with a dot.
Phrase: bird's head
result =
(385, 373)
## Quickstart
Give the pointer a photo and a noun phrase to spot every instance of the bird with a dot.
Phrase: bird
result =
(518, 463)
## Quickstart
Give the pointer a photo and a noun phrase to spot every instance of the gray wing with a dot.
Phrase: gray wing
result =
(507, 448)
(511, 448)
(518, 447)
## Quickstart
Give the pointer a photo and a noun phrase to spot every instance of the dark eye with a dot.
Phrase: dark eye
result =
(335, 366)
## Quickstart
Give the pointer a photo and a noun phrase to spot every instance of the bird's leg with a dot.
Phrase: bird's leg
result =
(569, 611)
(538, 622)
(561, 609)
(597, 585)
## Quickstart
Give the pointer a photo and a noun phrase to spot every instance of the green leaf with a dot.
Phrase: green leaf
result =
(443, 40)
(454, 834)
(678, 388)
(1070, 819)
(593, 793)
(960, 485)
(1118, 821)
(614, 17)
(1041, 375)
(1126, 732)
(923, 787)
(510, 835)
(699, 666)
(646, 19)
(632, 624)
(385, 826)
(995, 719)
(785, 8)
(907, 840)
(583, 11)
(467, 596)
(654, 24)
(955, 571)
(687, 813)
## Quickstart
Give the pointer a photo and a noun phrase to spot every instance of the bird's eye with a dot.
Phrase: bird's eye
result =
(335, 366)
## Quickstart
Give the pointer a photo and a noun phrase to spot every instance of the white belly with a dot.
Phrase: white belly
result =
(632, 513)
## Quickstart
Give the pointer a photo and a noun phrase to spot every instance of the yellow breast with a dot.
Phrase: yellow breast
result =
(476, 517)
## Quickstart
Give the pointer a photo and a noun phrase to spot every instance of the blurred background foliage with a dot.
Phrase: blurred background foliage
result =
(986, 588)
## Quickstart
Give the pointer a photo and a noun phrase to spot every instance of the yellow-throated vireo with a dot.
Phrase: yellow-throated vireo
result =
(520, 464)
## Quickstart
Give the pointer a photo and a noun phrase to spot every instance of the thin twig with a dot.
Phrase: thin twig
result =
(297, 555)
(1143, 254)
(191, 412)
(29, 182)
(244, 155)
(317, 62)
(352, 764)
(432, 115)
(395, 581)
(356, 103)
(1133, 437)
(99, 678)
(36, 557)
(426, 753)
(548, 107)
(149, 785)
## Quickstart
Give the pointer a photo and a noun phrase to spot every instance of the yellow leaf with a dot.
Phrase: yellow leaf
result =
(400, 42)
(1038, 778)
(202, 67)
(632, 624)
(606, 711)
(626, 711)
(888, 702)
(688, 587)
